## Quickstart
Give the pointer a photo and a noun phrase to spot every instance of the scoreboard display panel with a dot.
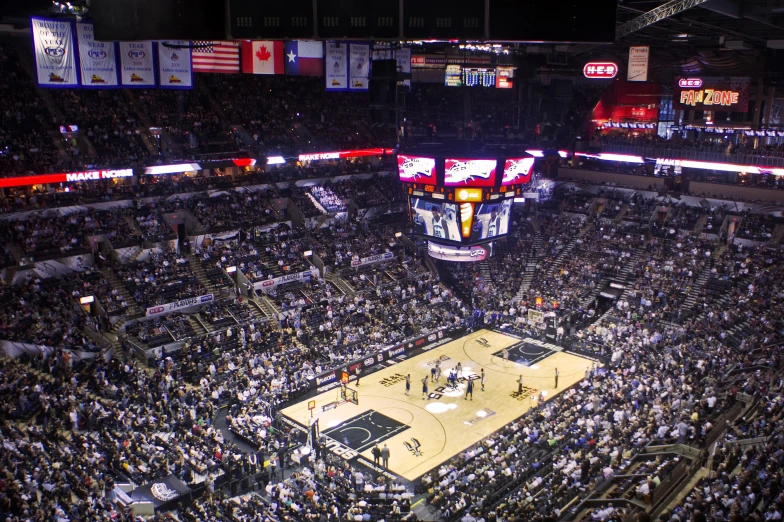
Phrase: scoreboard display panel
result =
(437, 220)
(416, 169)
(462, 201)
(479, 76)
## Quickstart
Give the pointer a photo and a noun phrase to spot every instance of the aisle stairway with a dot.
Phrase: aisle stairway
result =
(342, 285)
(258, 312)
(624, 209)
(134, 311)
(699, 226)
(198, 326)
(699, 284)
(531, 261)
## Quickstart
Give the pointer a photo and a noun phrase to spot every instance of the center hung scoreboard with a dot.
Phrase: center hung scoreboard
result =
(461, 205)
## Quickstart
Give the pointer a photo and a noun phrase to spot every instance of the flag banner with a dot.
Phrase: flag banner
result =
(137, 65)
(403, 57)
(359, 66)
(174, 64)
(384, 51)
(54, 52)
(216, 57)
(336, 66)
(97, 60)
(638, 64)
(304, 58)
(263, 57)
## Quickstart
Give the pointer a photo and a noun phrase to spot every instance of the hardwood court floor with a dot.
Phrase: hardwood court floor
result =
(421, 434)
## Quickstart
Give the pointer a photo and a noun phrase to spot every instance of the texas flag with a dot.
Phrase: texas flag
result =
(304, 58)
(262, 57)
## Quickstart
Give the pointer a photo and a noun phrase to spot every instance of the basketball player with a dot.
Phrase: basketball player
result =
(483, 379)
(494, 226)
(433, 374)
(424, 387)
(557, 373)
(506, 356)
(408, 384)
(459, 372)
(438, 371)
(440, 228)
(469, 390)
(520, 385)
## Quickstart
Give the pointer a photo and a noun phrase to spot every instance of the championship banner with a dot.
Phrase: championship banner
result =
(97, 60)
(179, 305)
(384, 51)
(54, 52)
(403, 57)
(372, 259)
(359, 66)
(175, 64)
(638, 64)
(137, 65)
(269, 284)
(336, 66)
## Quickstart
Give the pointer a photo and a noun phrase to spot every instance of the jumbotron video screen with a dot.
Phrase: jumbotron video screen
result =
(457, 203)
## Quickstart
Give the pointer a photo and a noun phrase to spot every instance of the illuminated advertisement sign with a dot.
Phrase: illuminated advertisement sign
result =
(600, 70)
(414, 169)
(317, 156)
(690, 83)
(517, 170)
(453, 76)
(469, 172)
(468, 194)
(70, 177)
(503, 77)
(457, 254)
(727, 94)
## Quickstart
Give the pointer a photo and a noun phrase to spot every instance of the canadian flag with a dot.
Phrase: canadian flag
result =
(263, 57)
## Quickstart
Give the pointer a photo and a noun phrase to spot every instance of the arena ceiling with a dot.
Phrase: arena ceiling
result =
(699, 37)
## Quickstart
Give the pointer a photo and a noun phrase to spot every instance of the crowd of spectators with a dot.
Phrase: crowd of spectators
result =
(665, 379)
(26, 142)
(161, 278)
(108, 121)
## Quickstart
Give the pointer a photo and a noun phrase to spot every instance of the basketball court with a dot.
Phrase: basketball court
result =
(423, 433)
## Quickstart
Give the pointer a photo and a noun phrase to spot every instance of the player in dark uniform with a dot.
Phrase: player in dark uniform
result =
(424, 387)
(419, 224)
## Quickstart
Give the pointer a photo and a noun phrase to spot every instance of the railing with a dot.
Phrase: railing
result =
(696, 155)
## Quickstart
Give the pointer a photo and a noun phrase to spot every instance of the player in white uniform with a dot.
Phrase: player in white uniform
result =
(440, 229)
(494, 226)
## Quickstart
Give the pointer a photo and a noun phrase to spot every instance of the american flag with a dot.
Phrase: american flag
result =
(216, 57)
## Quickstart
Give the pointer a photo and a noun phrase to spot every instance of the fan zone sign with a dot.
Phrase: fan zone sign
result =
(730, 94)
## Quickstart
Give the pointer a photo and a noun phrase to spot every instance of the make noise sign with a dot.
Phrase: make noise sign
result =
(67, 55)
